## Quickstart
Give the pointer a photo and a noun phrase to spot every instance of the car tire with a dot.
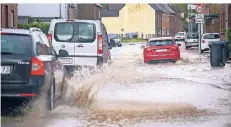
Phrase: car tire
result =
(186, 47)
(202, 51)
(51, 97)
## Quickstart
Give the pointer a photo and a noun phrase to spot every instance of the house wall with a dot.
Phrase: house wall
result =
(165, 24)
(138, 18)
(112, 25)
(158, 23)
(89, 11)
(6, 15)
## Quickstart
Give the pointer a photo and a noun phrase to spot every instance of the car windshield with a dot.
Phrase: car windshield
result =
(180, 34)
(212, 36)
(75, 32)
(16, 44)
(192, 36)
(160, 42)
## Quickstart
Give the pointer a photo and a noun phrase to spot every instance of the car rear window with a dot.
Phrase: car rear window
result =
(192, 36)
(212, 36)
(160, 42)
(16, 44)
(180, 34)
(75, 32)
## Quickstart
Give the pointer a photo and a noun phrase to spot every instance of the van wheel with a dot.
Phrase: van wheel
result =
(51, 97)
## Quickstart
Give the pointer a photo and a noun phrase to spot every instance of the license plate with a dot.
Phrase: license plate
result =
(161, 50)
(66, 61)
(5, 70)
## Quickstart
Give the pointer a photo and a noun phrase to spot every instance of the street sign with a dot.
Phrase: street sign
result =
(199, 16)
(199, 9)
(199, 21)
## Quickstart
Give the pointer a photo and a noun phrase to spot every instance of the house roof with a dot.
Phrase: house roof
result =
(169, 9)
(115, 7)
(99, 5)
(162, 8)
(106, 13)
(156, 7)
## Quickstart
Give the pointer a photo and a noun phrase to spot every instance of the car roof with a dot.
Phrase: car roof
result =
(161, 38)
(210, 33)
(16, 31)
(77, 20)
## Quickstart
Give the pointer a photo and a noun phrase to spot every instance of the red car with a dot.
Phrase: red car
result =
(161, 49)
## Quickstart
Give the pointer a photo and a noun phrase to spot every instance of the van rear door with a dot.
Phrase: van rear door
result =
(79, 39)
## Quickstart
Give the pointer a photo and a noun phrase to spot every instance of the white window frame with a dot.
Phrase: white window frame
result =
(11, 18)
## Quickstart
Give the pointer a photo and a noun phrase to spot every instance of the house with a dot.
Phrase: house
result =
(47, 12)
(225, 19)
(149, 20)
(9, 15)
(89, 11)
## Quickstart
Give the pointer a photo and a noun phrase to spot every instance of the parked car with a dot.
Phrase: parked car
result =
(191, 40)
(29, 65)
(161, 49)
(114, 40)
(208, 37)
(180, 35)
(84, 42)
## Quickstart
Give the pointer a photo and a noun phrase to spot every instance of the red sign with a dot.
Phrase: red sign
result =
(199, 9)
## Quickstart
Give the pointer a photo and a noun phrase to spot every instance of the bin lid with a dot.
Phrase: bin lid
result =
(218, 43)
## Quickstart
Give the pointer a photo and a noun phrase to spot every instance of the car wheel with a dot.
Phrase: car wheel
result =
(202, 51)
(186, 47)
(51, 97)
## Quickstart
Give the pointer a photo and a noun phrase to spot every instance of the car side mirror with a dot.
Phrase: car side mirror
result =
(63, 53)
(178, 44)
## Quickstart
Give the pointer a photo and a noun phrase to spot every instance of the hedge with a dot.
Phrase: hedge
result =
(228, 36)
(43, 26)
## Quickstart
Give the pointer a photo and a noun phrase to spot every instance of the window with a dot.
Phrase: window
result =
(6, 14)
(163, 32)
(168, 32)
(75, 32)
(12, 18)
(47, 44)
(192, 36)
(16, 44)
(160, 42)
(212, 36)
(42, 46)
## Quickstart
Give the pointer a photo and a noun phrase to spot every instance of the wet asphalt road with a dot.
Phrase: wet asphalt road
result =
(187, 94)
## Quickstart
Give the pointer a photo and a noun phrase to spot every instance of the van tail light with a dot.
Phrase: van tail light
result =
(49, 37)
(203, 41)
(70, 20)
(100, 44)
(37, 67)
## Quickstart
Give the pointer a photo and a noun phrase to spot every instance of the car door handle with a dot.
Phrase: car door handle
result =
(80, 46)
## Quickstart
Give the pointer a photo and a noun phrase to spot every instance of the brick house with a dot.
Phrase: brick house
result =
(89, 11)
(225, 19)
(9, 15)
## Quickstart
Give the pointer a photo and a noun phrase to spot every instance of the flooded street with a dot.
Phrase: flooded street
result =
(129, 93)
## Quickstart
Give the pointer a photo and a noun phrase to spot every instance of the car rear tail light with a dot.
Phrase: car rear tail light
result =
(3, 33)
(37, 67)
(100, 44)
(147, 51)
(49, 37)
(175, 47)
(203, 41)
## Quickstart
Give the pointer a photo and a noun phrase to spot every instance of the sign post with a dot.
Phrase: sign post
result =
(199, 19)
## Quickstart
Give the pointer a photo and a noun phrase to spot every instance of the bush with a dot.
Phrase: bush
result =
(228, 36)
(133, 40)
(43, 26)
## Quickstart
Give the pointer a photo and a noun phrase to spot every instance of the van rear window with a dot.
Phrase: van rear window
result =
(75, 32)
(16, 44)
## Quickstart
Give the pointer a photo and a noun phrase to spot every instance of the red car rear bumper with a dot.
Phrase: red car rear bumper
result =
(173, 56)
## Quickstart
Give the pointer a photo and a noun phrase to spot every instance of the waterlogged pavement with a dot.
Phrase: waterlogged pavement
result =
(129, 93)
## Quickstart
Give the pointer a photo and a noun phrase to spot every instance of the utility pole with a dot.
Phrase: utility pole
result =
(199, 18)
(60, 11)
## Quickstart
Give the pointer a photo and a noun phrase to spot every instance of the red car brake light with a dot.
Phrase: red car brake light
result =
(37, 67)
(49, 37)
(203, 41)
(100, 44)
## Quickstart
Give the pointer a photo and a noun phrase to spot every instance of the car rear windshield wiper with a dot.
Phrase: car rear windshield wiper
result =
(7, 53)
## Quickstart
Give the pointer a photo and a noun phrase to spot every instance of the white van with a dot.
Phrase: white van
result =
(79, 42)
